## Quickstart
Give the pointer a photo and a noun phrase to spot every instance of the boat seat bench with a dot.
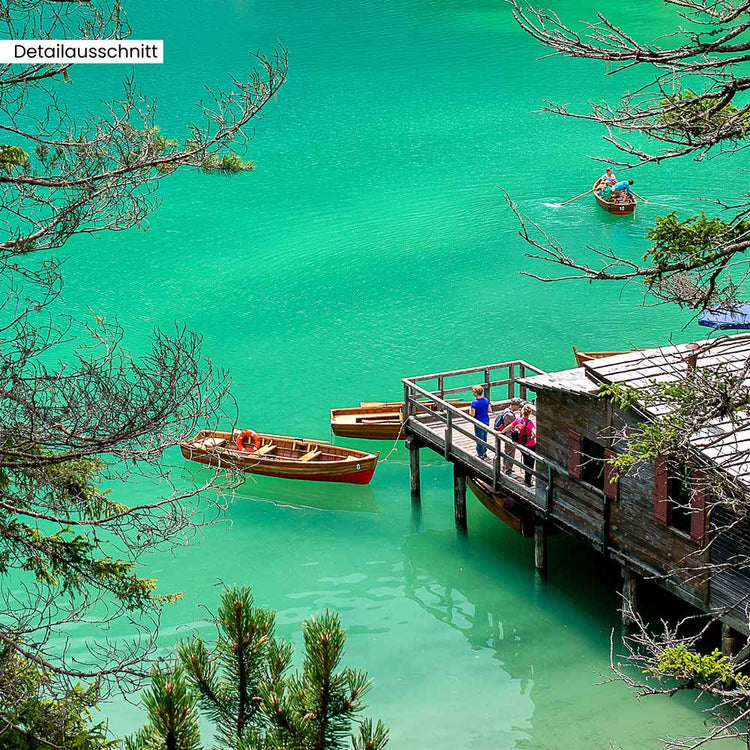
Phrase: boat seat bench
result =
(266, 449)
(209, 442)
(310, 455)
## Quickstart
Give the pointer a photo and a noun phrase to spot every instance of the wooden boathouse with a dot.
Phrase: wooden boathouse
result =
(639, 521)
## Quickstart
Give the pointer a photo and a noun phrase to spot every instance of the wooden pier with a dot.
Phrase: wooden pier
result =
(449, 431)
(611, 516)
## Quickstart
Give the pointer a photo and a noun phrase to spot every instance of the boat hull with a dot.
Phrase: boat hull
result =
(583, 357)
(332, 463)
(373, 420)
(615, 208)
(501, 507)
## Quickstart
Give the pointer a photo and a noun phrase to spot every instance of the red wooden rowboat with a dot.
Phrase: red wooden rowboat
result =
(282, 456)
(613, 207)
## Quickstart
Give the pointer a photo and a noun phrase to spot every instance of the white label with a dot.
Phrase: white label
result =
(65, 52)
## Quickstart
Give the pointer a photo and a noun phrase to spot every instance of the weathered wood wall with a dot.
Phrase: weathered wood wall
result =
(730, 586)
(630, 528)
(558, 414)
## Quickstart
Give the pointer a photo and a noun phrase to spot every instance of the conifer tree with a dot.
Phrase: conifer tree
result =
(242, 686)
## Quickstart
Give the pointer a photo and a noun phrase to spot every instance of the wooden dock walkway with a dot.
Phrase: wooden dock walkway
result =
(431, 422)
(618, 517)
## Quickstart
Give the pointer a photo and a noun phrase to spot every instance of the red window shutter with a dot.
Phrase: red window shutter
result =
(575, 455)
(610, 477)
(698, 502)
(661, 489)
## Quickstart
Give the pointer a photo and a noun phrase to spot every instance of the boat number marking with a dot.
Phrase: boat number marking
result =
(357, 467)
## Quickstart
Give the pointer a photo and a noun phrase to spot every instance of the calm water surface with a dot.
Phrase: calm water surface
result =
(373, 243)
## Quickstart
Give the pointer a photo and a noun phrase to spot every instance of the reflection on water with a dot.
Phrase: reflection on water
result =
(318, 495)
(548, 635)
(292, 493)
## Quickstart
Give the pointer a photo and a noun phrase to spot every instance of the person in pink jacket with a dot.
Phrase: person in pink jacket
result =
(526, 438)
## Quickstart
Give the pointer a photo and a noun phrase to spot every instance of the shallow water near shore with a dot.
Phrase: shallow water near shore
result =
(373, 243)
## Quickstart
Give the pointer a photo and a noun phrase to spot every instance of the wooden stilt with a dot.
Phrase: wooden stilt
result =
(416, 514)
(459, 496)
(540, 548)
(728, 640)
(629, 596)
(413, 447)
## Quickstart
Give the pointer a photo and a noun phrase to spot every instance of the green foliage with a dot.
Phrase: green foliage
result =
(242, 686)
(172, 715)
(698, 669)
(702, 116)
(371, 737)
(693, 242)
(229, 677)
(228, 164)
(64, 721)
(12, 158)
(320, 700)
(63, 558)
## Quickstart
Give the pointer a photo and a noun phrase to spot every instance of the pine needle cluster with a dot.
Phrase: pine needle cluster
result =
(244, 686)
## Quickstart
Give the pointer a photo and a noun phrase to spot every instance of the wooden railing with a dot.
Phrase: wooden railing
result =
(421, 403)
(512, 370)
(419, 400)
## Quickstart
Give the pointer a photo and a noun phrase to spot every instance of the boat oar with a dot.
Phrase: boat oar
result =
(578, 196)
(651, 203)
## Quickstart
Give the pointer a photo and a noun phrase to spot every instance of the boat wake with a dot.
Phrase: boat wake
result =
(552, 205)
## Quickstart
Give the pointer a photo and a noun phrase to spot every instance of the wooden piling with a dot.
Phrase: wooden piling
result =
(540, 547)
(728, 640)
(459, 496)
(629, 596)
(413, 447)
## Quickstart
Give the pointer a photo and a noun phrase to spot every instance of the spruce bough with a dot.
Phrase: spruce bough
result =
(244, 686)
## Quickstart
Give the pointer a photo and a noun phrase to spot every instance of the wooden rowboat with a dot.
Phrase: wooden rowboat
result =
(374, 420)
(582, 357)
(502, 507)
(282, 456)
(618, 209)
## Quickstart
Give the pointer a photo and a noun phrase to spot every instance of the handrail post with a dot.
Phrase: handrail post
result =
(522, 389)
(448, 433)
(407, 405)
(497, 468)
(441, 386)
(549, 495)
(487, 383)
(511, 380)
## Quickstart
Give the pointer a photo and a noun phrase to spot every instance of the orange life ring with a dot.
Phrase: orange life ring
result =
(241, 441)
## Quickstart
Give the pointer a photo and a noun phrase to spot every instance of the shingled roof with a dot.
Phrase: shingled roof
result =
(724, 443)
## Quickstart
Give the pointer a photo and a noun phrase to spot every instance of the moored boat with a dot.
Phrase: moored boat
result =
(374, 420)
(502, 507)
(280, 456)
(614, 207)
(582, 357)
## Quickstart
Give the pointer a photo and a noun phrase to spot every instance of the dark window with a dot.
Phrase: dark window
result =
(679, 489)
(592, 463)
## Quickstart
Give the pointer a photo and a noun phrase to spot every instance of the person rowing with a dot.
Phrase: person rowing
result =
(622, 189)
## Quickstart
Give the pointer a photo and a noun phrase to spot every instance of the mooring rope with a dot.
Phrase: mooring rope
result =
(395, 444)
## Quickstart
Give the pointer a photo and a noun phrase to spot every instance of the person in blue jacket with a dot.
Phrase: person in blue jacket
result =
(620, 188)
(480, 410)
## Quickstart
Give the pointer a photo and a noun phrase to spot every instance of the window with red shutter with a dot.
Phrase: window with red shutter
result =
(575, 455)
(610, 476)
(661, 490)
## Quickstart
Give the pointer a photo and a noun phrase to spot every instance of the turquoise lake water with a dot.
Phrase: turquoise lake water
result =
(373, 243)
